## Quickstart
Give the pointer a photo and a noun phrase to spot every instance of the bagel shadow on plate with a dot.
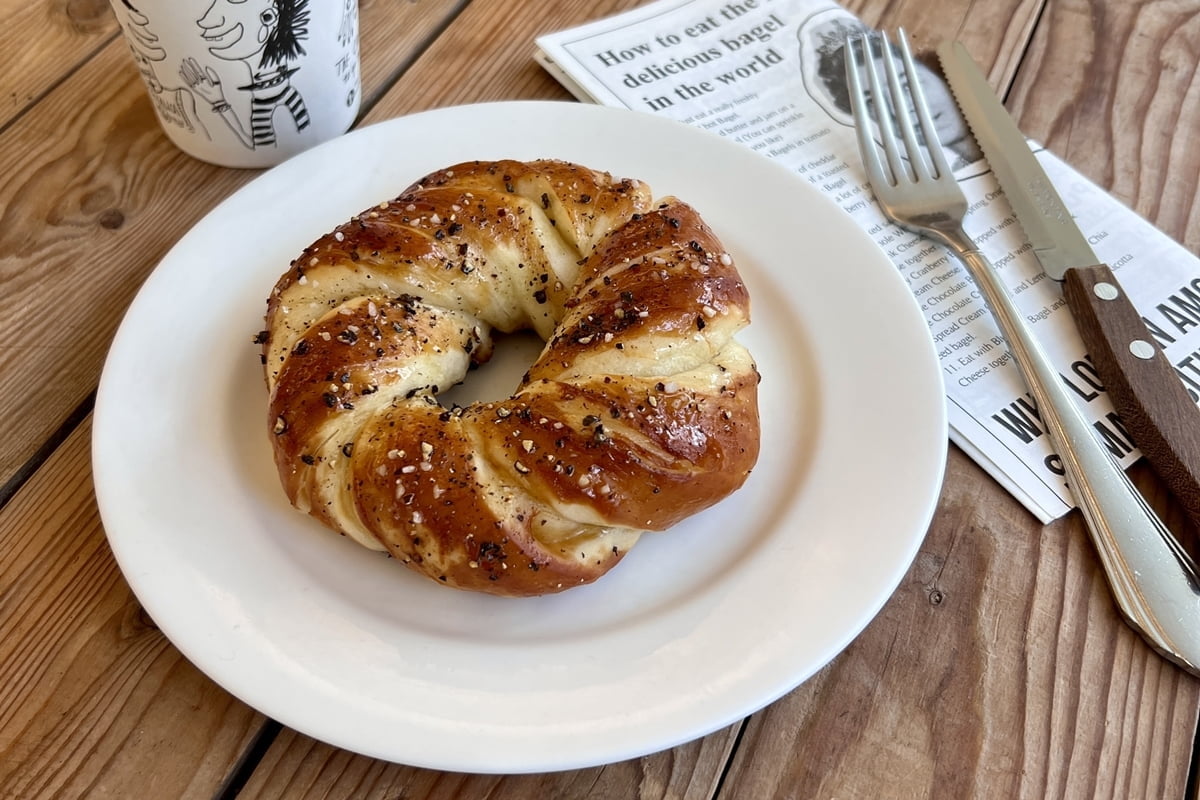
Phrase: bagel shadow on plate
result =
(695, 558)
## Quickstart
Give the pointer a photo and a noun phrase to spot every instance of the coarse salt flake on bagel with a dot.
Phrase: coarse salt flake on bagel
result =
(640, 411)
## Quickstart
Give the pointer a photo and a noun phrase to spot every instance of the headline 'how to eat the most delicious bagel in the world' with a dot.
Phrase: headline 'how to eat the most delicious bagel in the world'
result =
(641, 410)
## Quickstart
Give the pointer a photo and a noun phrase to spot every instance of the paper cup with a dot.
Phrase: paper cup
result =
(250, 83)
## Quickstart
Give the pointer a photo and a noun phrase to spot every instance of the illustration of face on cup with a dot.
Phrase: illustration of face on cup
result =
(246, 83)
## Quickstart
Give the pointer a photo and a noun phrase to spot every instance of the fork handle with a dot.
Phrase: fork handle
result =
(1154, 580)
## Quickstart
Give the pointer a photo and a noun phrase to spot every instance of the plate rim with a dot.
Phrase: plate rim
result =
(108, 394)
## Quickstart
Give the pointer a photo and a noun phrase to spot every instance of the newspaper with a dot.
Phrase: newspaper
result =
(770, 75)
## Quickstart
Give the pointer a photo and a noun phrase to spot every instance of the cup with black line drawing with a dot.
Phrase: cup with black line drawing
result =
(246, 83)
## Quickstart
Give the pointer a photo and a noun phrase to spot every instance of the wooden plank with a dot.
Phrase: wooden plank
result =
(908, 727)
(84, 218)
(1111, 93)
(1116, 95)
(93, 699)
(67, 35)
(298, 767)
(977, 680)
(995, 33)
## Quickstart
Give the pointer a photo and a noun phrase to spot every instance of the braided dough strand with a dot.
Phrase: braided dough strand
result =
(640, 411)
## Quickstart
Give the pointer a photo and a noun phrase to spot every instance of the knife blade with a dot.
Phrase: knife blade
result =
(1157, 410)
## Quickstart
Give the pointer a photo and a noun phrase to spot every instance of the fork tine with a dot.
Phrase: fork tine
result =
(886, 108)
(862, 118)
(933, 146)
(901, 101)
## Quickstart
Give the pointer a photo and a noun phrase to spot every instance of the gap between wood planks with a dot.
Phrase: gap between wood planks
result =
(248, 763)
(33, 101)
(26, 471)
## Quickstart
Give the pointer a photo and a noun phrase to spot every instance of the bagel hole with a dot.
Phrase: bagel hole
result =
(512, 356)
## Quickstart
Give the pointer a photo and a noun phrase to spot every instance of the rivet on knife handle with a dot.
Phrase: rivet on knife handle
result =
(1127, 357)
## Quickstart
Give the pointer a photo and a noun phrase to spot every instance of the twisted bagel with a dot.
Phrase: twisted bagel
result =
(640, 411)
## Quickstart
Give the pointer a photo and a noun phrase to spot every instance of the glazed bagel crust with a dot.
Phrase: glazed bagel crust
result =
(641, 410)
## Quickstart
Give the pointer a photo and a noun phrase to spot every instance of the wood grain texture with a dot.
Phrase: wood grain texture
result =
(970, 683)
(67, 33)
(297, 767)
(995, 33)
(1060, 699)
(947, 653)
(1020, 683)
(473, 61)
(1113, 89)
(86, 215)
(94, 701)
(998, 669)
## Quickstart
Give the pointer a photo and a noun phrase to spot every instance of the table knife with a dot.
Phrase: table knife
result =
(1157, 410)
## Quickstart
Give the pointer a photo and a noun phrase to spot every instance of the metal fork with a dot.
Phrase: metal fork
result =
(1153, 580)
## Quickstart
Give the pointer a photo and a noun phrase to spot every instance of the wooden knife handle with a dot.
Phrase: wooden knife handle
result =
(1157, 410)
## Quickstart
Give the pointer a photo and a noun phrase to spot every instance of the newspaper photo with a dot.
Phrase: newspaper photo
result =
(770, 75)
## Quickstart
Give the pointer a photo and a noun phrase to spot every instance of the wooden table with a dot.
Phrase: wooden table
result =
(998, 669)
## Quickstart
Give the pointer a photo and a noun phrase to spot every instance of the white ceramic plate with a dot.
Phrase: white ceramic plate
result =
(696, 628)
